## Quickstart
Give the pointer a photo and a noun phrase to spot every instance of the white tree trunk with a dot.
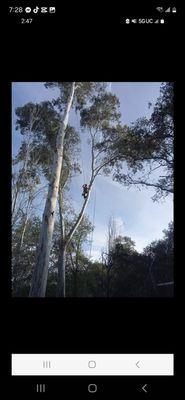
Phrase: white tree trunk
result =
(62, 255)
(61, 260)
(40, 274)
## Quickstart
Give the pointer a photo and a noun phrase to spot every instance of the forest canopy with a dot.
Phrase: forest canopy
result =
(50, 235)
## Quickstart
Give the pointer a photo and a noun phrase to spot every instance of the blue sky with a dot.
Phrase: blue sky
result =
(135, 212)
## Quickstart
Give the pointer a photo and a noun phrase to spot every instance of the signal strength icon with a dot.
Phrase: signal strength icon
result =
(157, 21)
(168, 10)
(160, 9)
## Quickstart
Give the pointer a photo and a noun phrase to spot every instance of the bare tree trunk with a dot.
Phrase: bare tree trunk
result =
(62, 250)
(81, 214)
(61, 272)
(61, 261)
(15, 200)
(94, 173)
(74, 273)
(40, 274)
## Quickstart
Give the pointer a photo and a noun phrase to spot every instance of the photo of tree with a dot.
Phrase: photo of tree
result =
(92, 189)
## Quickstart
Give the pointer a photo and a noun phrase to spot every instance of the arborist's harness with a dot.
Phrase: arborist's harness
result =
(85, 190)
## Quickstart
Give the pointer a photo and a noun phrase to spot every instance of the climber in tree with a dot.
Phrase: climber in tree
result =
(85, 190)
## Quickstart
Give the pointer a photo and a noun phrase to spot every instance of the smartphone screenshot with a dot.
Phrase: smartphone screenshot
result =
(91, 293)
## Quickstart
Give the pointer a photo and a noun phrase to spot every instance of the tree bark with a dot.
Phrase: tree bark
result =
(40, 274)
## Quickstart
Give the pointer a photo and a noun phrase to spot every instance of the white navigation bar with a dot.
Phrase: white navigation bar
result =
(92, 364)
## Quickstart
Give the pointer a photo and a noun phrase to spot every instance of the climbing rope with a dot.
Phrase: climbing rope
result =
(83, 173)
(84, 181)
(82, 164)
(94, 210)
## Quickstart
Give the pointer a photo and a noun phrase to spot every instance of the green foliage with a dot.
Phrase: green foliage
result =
(44, 121)
(161, 251)
(148, 146)
(83, 92)
(103, 111)
(23, 255)
(101, 118)
(122, 273)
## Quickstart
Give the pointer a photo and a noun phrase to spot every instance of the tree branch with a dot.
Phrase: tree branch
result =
(81, 214)
(62, 225)
(98, 169)
(139, 182)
